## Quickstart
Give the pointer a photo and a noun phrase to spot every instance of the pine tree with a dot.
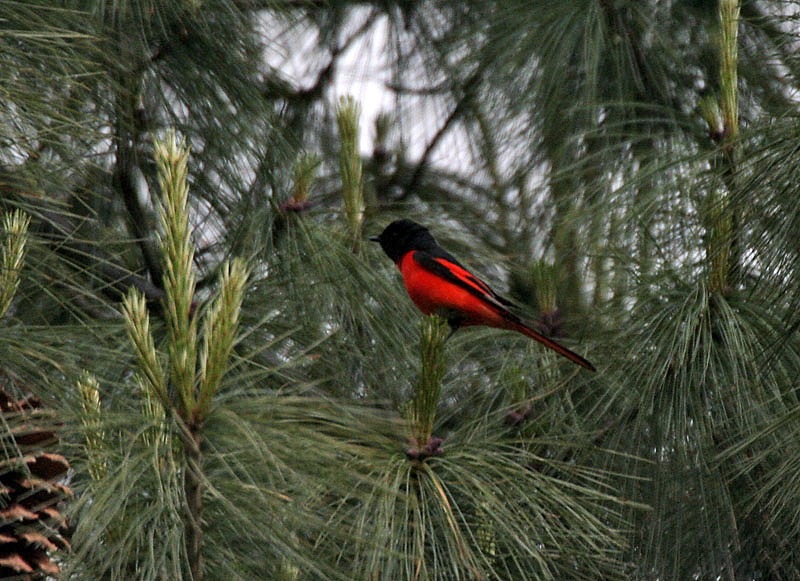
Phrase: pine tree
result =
(626, 170)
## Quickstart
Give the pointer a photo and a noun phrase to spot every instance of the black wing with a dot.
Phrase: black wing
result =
(445, 266)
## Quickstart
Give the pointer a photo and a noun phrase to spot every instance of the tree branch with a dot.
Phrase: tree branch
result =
(455, 114)
(59, 231)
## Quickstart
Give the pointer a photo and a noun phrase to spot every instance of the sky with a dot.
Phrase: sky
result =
(364, 72)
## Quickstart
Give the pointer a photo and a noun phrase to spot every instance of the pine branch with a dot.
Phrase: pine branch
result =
(350, 167)
(723, 243)
(219, 332)
(422, 407)
(12, 256)
(179, 280)
(59, 231)
(467, 94)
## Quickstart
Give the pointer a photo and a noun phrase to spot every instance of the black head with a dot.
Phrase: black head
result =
(402, 236)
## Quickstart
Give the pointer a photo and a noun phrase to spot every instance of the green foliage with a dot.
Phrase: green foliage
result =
(423, 404)
(179, 282)
(347, 116)
(439, 513)
(630, 165)
(12, 256)
(729, 12)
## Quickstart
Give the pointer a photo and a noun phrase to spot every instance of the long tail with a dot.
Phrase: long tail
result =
(560, 349)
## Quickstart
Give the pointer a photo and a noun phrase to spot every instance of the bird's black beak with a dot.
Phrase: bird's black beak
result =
(374, 238)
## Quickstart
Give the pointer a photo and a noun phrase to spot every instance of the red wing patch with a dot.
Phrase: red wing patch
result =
(461, 277)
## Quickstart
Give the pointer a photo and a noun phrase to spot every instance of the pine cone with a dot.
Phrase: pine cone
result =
(31, 524)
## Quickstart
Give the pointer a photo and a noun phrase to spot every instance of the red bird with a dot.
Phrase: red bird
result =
(438, 283)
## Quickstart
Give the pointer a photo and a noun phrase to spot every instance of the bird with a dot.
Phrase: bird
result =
(439, 284)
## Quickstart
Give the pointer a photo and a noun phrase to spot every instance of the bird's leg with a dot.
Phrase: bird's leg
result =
(454, 318)
(453, 330)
